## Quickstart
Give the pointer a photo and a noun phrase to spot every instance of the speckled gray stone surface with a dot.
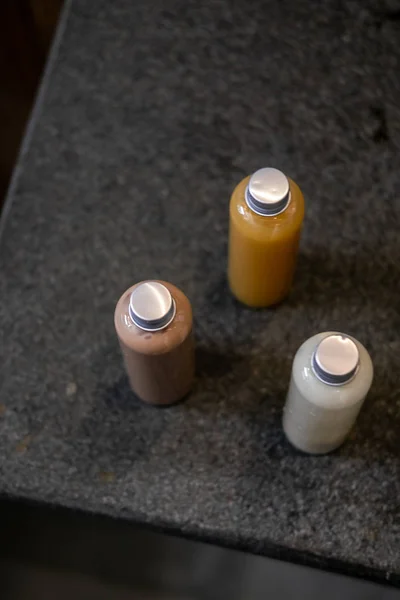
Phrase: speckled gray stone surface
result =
(150, 114)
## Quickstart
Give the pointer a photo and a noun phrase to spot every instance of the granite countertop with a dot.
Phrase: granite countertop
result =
(149, 114)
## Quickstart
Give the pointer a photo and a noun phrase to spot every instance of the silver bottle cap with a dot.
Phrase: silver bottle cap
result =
(336, 359)
(268, 192)
(151, 306)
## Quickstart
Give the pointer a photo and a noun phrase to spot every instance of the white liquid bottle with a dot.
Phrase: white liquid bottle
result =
(331, 375)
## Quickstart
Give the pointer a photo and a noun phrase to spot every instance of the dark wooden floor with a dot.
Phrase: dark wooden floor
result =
(26, 31)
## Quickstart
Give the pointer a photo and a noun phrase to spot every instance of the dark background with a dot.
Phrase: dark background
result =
(26, 31)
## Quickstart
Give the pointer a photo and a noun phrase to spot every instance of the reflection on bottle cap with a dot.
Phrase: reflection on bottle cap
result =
(151, 306)
(336, 359)
(268, 192)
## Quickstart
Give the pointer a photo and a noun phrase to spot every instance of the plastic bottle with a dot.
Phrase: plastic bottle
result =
(331, 375)
(153, 321)
(266, 216)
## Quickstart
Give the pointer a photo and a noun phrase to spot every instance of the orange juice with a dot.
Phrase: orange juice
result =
(266, 216)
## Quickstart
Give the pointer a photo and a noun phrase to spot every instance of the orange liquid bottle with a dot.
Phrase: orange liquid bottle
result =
(266, 216)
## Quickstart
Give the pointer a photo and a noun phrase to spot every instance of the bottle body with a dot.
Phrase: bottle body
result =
(159, 364)
(263, 249)
(318, 416)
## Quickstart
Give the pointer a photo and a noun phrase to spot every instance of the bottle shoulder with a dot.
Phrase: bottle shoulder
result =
(154, 342)
(330, 396)
(278, 226)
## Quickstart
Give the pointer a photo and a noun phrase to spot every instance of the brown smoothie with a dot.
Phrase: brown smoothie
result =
(159, 358)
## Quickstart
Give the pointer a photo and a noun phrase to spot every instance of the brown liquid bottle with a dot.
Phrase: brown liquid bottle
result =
(153, 321)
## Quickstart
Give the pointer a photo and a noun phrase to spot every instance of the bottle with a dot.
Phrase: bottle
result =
(331, 375)
(153, 321)
(266, 215)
